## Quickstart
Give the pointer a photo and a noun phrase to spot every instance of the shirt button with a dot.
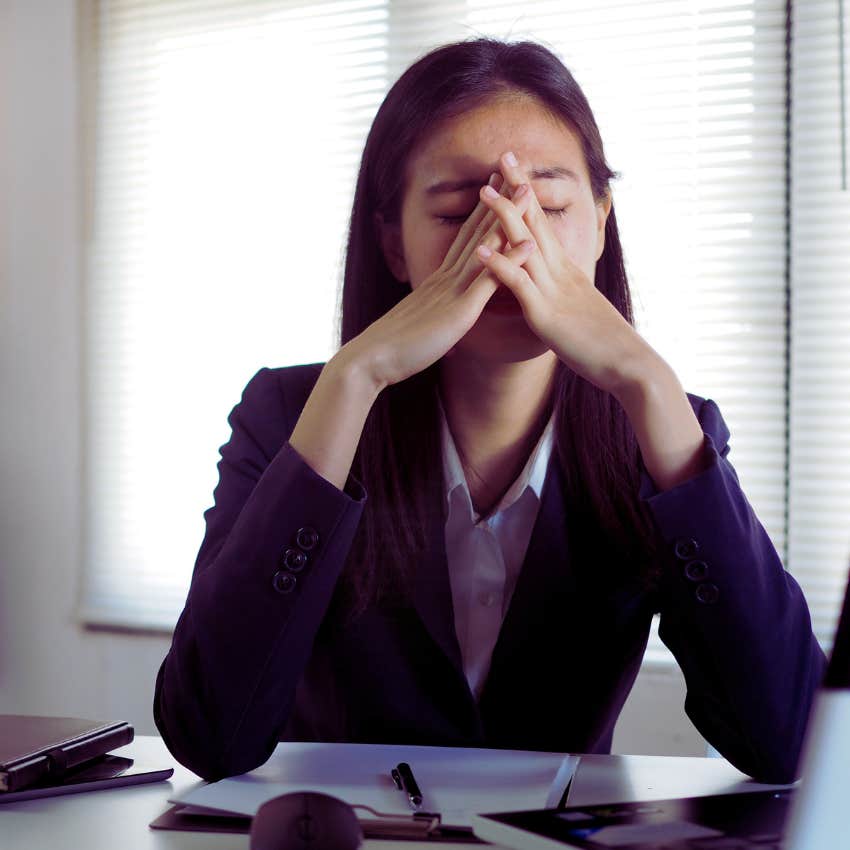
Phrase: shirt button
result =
(307, 538)
(294, 560)
(488, 600)
(284, 582)
(707, 593)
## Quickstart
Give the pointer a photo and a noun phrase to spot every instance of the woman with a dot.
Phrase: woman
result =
(538, 482)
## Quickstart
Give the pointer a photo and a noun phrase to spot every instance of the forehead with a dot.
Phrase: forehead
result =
(471, 144)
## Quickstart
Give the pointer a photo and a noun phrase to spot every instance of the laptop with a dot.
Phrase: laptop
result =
(813, 816)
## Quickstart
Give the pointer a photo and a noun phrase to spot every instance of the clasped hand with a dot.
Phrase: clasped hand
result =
(560, 303)
(504, 241)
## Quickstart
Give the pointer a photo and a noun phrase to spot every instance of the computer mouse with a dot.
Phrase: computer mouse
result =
(305, 820)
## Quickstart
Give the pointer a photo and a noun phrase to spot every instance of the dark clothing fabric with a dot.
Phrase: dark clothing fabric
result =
(254, 660)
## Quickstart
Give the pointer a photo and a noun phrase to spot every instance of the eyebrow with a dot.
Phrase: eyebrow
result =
(554, 173)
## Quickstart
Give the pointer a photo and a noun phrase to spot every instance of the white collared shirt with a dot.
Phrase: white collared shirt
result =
(485, 555)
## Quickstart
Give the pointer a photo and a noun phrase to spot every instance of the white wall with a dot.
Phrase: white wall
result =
(49, 664)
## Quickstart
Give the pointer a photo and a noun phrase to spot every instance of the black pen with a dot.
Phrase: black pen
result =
(414, 795)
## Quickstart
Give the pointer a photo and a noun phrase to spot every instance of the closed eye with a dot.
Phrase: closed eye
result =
(459, 219)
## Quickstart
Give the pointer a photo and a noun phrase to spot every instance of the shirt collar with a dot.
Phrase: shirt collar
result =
(532, 476)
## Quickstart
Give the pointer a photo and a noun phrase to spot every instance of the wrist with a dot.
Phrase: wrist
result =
(331, 423)
(665, 426)
(354, 372)
(643, 376)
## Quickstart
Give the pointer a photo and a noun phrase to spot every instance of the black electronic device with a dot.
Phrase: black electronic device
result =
(749, 820)
(36, 749)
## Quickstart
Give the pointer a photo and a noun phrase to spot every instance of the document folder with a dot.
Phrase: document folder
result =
(456, 782)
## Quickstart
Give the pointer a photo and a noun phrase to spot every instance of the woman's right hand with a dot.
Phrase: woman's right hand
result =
(428, 322)
(417, 332)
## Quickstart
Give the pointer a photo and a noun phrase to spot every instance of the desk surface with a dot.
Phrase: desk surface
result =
(119, 817)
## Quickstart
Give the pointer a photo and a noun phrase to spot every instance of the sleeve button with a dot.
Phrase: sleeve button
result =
(307, 538)
(284, 582)
(686, 548)
(294, 560)
(707, 593)
(696, 570)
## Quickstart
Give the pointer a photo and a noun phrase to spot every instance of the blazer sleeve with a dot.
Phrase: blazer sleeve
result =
(735, 620)
(276, 540)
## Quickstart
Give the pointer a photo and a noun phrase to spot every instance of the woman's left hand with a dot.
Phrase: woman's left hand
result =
(559, 302)
(564, 308)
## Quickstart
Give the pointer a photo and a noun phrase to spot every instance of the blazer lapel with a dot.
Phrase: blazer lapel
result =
(543, 575)
(543, 579)
(432, 592)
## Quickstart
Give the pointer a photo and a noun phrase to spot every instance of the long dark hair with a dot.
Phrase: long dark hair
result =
(398, 456)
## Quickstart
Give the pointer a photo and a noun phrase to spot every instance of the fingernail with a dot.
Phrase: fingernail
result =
(495, 177)
(511, 160)
(490, 192)
(484, 252)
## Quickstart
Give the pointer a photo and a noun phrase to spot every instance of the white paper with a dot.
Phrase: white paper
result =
(457, 782)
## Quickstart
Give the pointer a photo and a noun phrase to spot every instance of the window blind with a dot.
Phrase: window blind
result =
(217, 242)
(819, 497)
(227, 137)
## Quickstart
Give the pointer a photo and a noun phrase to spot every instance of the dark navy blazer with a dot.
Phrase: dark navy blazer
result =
(254, 659)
